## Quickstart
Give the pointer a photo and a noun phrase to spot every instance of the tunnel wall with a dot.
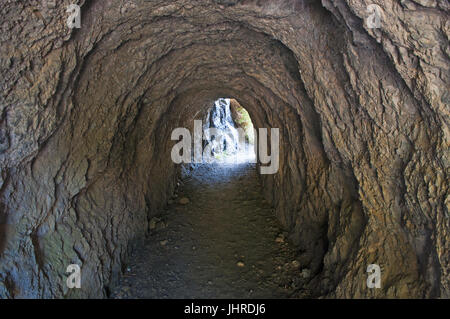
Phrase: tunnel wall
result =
(86, 116)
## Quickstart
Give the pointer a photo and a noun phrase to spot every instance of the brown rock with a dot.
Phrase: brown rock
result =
(184, 201)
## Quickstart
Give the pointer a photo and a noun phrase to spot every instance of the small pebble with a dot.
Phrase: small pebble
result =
(184, 201)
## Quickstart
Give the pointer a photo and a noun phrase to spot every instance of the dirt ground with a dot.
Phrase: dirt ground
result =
(223, 243)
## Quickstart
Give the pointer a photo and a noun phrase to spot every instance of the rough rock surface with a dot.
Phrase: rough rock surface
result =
(86, 116)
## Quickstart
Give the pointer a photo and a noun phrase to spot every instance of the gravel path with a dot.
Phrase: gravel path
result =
(224, 243)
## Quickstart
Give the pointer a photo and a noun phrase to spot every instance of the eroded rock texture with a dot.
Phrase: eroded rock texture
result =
(86, 116)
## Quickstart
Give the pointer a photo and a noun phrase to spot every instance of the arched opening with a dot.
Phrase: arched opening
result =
(218, 236)
(228, 133)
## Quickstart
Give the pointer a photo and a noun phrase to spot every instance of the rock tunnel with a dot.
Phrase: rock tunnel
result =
(86, 116)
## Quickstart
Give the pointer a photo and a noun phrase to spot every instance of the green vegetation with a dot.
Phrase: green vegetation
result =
(243, 120)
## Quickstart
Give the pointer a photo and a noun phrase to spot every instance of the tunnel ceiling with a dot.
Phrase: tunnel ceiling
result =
(86, 116)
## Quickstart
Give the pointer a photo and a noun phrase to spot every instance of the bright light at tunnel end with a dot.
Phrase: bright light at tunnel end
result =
(182, 151)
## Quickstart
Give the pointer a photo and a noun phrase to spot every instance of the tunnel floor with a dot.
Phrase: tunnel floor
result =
(224, 243)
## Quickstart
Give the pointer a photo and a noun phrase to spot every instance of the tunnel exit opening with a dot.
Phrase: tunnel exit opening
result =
(228, 133)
